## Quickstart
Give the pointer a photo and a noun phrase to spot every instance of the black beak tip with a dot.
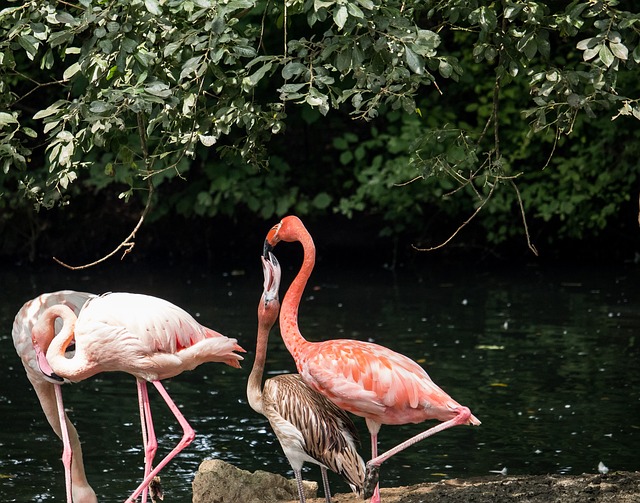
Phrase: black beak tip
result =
(266, 249)
(372, 475)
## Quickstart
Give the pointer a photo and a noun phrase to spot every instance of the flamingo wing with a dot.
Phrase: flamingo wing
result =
(311, 428)
(160, 325)
(147, 337)
(373, 381)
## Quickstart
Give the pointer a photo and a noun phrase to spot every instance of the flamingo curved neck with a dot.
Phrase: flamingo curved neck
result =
(75, 368)
(289, 329)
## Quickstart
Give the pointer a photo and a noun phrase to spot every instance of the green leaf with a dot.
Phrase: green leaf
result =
(207, 140)
(71, 71)
(355, 11)
(159, 89)
(445, 69)
(586, 43)
(512, 11)
(322, 200)
(6, 118)
(59, 38)
(606, 56)
(98, 107)
(190, 66)
(292, 69)
(292, 88)
(65, 18)
(340, 16)
(619, 50)
(636, 54)
(366, 4)
(171, 47)
(153, 7)
(29, 44)
(590, 53)
(51, 110)
(256, 76)
(343, 61)
(414, 61)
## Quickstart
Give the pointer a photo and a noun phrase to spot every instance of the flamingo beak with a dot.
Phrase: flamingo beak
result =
(44, 367)
(266, 250)
(271, 240)
(272, 274)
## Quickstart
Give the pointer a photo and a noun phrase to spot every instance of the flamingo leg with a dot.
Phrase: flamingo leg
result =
(187, 437)
(373, 466)
(375, 496)
(325, 484)
(149, 440)
(67, 453)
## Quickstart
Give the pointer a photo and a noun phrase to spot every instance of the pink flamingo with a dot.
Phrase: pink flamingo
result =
(147, 337)
(308, 426)
(48, 389)
(363, 378)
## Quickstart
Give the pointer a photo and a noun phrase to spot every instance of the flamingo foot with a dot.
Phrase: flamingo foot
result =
(371, 477)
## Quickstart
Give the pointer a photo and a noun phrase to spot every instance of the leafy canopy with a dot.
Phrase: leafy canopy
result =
(134, 92)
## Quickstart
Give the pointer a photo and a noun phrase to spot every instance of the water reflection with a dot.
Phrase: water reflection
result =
(547, 359)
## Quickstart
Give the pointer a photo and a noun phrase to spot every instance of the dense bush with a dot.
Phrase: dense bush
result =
(419, 115)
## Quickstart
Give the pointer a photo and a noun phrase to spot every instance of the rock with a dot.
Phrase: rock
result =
(613, 487)
(219, 482)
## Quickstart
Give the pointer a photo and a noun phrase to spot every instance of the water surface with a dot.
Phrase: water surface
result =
(547, 358)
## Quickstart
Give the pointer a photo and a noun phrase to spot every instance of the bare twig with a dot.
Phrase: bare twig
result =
(129, 241)
(127, 244)
(524, 219)
(475, 213)
(402, 184)
(553, 149)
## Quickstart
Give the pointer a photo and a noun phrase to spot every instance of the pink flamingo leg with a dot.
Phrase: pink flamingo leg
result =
(372, 473)
(149, 440)
(67, 453)
(187, 437)
(375, 498)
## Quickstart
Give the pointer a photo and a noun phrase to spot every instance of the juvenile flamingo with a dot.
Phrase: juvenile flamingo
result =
(48, 389)
(145, 336)
(308, 426)
(363, 378)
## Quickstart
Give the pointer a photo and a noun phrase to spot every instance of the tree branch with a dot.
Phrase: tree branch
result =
(127, 244)
(475, 213)
(129, 241)
(524, 219)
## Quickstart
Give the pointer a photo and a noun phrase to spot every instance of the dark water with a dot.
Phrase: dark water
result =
(548, 359)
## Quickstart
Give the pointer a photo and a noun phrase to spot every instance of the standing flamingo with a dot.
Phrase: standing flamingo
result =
(48, 389)
(363, 378)
(308, 426)
(147, 337)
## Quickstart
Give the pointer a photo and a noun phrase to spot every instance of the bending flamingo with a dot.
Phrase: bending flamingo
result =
(147, 337)
(48, 389)
(308, 426)
(363, 378)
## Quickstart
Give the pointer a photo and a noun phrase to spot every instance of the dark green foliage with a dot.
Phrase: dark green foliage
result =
(421, 114)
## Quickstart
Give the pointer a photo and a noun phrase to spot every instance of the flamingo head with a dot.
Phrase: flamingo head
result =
(288, 229)
(43, 332)
(269, 303)
(40, 346)
(272, 274)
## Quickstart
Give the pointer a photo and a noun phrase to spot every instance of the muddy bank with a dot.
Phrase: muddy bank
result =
(615, 487)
